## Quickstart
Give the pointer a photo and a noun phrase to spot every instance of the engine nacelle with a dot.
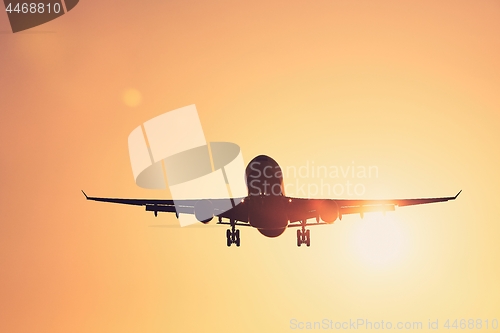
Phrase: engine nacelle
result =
(329, 211)
(204, 211)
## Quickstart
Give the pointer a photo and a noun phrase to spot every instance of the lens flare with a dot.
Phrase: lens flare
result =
(132, 97)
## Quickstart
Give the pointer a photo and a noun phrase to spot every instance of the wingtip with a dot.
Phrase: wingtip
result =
(456, 196)
(86, 197)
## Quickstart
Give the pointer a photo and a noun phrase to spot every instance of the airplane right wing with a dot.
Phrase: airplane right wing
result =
(300, 209)
(365, 206)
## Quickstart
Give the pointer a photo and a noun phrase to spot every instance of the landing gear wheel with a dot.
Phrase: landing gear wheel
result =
(303, 235)
(299, 238)
(233, 235)
(237, 237)
(228, 237)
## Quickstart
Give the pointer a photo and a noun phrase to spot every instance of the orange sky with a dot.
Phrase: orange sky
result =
(410, 87)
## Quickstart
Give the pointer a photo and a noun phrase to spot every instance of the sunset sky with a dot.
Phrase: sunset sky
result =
(410, 87)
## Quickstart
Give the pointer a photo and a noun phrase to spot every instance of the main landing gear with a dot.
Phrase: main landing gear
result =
(233, 235)
(303, 235)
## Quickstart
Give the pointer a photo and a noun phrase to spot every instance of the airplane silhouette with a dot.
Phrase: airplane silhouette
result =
(267, 208)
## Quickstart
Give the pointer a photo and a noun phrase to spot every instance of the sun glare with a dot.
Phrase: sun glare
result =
(380, 240)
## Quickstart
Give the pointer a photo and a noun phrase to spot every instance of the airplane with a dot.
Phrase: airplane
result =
(267, 208)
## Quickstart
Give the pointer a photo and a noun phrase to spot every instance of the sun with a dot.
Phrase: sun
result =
(380, 240)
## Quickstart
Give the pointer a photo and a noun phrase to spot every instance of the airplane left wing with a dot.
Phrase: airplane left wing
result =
(220, 206)
(154, 205)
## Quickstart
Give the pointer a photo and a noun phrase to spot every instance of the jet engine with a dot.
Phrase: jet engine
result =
(329, 211)
(204, 211)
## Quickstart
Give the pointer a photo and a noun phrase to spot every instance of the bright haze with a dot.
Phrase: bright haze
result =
(408, 88)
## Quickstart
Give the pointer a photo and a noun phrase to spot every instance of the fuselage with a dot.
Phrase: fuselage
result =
(266, 196)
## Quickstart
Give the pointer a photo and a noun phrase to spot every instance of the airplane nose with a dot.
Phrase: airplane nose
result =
(262, 158)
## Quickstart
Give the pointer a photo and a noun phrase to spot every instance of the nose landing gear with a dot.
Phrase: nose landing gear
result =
(233, 235)
(303, 235)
